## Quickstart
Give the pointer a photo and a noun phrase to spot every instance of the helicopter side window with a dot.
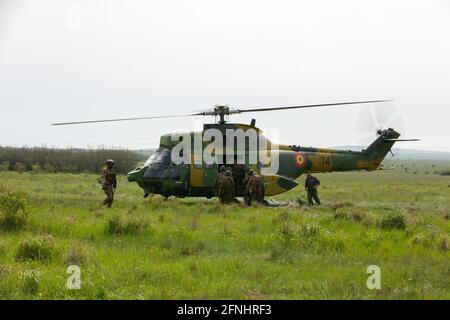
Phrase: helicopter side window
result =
(175, 173)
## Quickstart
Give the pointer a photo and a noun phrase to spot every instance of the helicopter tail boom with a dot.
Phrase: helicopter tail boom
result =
(319, 160)
(377, 151)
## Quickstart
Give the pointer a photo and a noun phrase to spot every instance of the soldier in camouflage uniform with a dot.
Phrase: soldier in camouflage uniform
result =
(254, 188)
(226, 188)
(109, 182)
(261, 190)
(247, 197)
(311, 184)
(222, 170)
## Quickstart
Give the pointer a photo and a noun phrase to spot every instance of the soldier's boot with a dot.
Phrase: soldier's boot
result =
(310, 200)
(110, 200)
(104, 203)
(316, 197)
(229, 199)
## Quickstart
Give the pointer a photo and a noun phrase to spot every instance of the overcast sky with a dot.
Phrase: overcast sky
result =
(139, 58)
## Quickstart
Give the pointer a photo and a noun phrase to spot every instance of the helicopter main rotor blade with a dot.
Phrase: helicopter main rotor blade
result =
(309, 106)
(219, 111)
(124, 119)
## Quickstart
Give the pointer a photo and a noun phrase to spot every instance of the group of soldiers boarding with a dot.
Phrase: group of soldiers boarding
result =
(225, 187)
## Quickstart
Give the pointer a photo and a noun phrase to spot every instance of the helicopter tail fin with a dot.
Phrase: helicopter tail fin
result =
(378, 150)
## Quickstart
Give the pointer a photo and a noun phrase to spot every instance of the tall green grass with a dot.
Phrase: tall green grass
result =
(198, 249)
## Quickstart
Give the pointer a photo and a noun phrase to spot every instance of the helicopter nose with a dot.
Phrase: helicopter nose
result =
(132, 176)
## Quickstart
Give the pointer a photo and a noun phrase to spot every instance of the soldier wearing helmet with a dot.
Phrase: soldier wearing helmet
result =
(220, 175)
(254, 188)
(226, 188)
(109, 182)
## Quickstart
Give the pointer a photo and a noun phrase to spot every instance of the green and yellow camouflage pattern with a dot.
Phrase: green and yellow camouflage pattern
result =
(161, 176)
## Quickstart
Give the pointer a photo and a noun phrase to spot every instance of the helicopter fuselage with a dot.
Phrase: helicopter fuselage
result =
(279, 165)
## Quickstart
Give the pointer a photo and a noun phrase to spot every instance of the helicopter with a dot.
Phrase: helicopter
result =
(183, 172)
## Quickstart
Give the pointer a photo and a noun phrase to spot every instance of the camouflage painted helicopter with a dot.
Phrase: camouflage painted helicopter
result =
(161, 175)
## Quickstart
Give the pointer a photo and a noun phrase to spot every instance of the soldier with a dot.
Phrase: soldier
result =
(311, 184)
(109, 182)
(254, 188)
(261, 190)
(222, 170)
(226, 188)
(247, 185)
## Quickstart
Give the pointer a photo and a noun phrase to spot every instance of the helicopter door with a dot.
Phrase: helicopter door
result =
(238, 171)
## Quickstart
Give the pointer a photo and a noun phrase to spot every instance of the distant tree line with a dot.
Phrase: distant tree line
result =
(43, 159)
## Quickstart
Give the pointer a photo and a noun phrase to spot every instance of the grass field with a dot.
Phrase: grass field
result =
(197, 249)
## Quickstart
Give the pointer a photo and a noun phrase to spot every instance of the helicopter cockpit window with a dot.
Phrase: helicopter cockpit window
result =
(160, 157)
(158, 164)
(152, 157)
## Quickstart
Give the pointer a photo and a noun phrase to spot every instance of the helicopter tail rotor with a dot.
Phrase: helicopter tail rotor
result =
(373, 121)
(382, 145)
